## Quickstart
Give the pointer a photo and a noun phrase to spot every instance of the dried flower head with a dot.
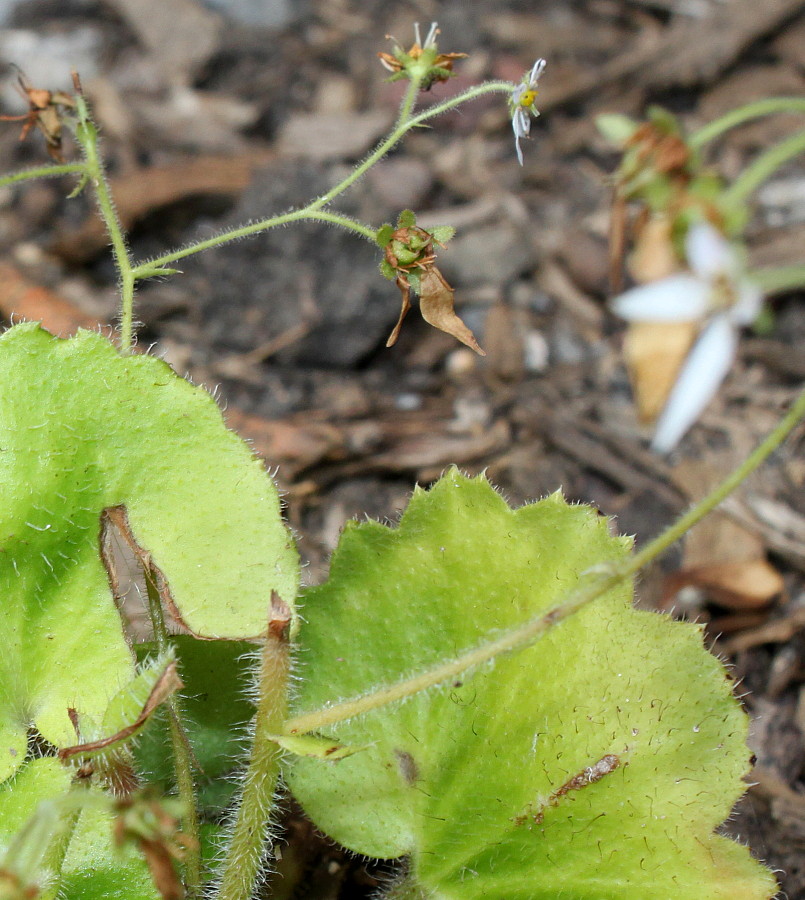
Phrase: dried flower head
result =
(409, 260)
(45, 112)
(422, 61)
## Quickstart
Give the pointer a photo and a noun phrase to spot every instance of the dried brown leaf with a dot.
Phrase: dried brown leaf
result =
(654, 354)
(436, 306)
(405, 290)
(738, 585)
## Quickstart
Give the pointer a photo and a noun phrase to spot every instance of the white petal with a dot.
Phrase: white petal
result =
(708, 251)
(518, 148)
(521, 122)
(678, 298)
(748, 305)
(702, 372)
(536, 71)
(417, 38)
(430, 40)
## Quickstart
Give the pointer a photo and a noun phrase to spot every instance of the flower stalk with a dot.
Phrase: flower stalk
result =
(314, 210)
(182, 759)
(246, 851)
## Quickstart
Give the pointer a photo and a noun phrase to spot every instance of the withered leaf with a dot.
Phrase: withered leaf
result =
(405, 290)
(168, 682)
(436, 306)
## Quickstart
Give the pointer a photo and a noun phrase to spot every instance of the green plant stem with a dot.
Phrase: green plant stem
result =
(314, 209)
(182, 761)
(764, 166)
(43, 172)
(255, 228)
(408, 102)
(246, 849)
(782, 278)
(87, 136)
(403, 128)
(593, 585)
(744, 114)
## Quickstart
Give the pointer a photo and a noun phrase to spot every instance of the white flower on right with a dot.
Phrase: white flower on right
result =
(522, 105)
(715, 292)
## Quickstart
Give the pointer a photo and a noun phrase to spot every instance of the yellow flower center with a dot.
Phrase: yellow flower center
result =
(527, 98)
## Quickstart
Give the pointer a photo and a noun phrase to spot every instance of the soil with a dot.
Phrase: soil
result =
(216, 121)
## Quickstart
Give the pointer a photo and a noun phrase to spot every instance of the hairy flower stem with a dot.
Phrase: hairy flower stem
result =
(43, 172)
(87, 136)
(246, 850)
(314, 209)
(764, 166)
(182, 756)
(593, 584)
(742, 114)
(141, 270)
(408, 102)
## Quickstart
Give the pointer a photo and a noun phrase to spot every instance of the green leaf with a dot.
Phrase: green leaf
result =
(594, 764)
(216, 712)
(97, 870)
(39, 779)
(406, 219)
(83, 181)
(387, 270)
(383, 234)
(82, 430)
(314, 746)
(664, 120)
(442, 233)
(156, 272)
(38, 811)
(616, 128)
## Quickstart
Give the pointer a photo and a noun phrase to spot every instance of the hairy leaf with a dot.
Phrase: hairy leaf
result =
(84, 430)
(594, 764)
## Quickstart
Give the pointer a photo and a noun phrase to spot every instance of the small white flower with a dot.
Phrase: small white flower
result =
(716, 292)
(521, 105)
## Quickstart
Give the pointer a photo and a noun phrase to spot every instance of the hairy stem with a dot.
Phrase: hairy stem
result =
(743, 114)
(244, 856)
(87, 136)
(255, 228)
(592, 585)
(314, 209)
(43, 172)
(182, 760)
(403, 128)
(764, 166)
(408, 102)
